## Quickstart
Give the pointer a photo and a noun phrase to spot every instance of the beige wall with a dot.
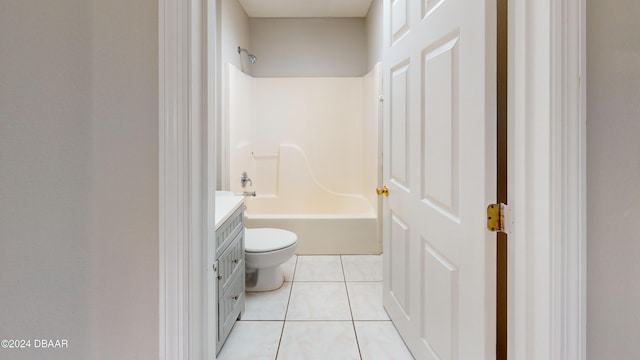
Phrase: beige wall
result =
(309, 47)
(124, 186)
(45, 175)
(613, 178)
(374, 34)
(234, 24)
(79, 177)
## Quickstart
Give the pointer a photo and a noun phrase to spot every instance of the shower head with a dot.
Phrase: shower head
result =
(251, 57)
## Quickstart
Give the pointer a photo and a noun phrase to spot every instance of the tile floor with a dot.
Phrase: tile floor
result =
(330, 307)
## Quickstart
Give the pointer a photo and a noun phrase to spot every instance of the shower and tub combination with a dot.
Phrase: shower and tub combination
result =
(310, 147)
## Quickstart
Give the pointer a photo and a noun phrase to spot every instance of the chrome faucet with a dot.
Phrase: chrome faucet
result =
(245, 179)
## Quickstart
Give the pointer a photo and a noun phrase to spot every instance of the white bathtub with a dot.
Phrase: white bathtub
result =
(339, 225)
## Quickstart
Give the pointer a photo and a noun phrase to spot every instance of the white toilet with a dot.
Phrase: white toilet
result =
(265, 250)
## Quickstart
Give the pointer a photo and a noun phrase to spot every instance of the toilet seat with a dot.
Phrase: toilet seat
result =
(262, 240)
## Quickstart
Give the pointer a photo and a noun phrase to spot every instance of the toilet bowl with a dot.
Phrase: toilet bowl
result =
(265, 250)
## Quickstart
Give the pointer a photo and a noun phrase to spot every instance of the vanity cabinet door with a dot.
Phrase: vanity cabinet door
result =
(230, 305)
(230, 262)
(229, 230)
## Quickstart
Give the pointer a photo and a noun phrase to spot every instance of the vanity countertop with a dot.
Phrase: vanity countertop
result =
(225, 206)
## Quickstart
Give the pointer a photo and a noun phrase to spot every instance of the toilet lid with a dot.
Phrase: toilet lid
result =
(265, 239)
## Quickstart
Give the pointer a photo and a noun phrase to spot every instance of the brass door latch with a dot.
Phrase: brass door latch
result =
(384, 190)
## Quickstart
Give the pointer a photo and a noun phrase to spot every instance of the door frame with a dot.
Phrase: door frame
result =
(187, 179)
(547, 178)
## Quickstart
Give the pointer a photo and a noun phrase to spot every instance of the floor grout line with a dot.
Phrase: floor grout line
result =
(353, 323)
(284, 321)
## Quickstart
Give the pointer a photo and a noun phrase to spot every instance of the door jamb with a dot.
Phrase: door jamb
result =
(187, 181)
(547, 172)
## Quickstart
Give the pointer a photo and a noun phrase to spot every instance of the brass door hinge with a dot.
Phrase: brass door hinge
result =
(499, 218)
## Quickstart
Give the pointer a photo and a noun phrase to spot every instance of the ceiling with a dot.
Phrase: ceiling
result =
(306, 8)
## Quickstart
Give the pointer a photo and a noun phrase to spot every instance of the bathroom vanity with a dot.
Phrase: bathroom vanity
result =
(229, 263)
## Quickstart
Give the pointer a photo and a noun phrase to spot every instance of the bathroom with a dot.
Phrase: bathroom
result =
(299, 136)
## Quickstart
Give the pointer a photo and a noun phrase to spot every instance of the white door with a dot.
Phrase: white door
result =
(440, 166)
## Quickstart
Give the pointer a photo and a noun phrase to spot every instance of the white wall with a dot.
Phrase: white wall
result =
(79, 177)
(374, 34)
(309, 47)
(613, 175)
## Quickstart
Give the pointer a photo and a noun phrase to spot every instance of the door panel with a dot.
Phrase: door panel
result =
(399, 129)
(440, 137)
(439, 162)
(439, 303)
(399, 255)
(399, 19)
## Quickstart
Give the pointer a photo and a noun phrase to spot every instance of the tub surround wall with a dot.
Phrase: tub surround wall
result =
(371, 135)
(310, 147)
(323, 117)
(319, 119)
